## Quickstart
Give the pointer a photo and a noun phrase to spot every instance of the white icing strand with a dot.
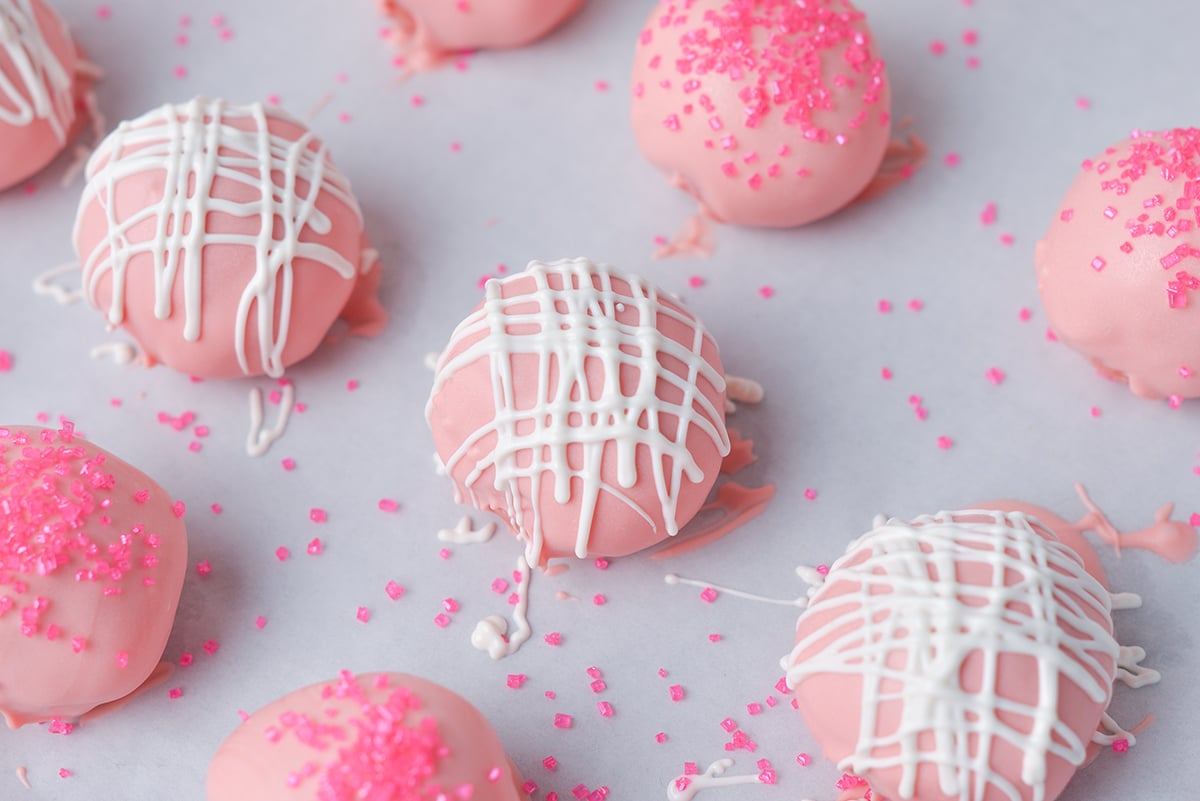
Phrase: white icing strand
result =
(1110, 731)
(490, 633)
(899, 586)
(44, 285)
(43, 87)
(431, 359)
(465, 534)
(259, 441)
(193, 146)
(685, 788)
(370, 257)
(743, 390)
(119, 352)
(1126, 600)
(811, 576)
(570, 330)
(1130, 670)
(673, 579)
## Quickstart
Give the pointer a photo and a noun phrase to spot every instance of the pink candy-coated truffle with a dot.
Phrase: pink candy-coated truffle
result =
(769, 112)
(379, 736)
(1119, 267)
(438, 27)
(92, 561)
(584, 407)
(223, 239)
(964, 655)
(38, 86)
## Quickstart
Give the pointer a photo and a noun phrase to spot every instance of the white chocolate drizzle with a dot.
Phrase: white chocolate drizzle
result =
(194, 147)
(901, 597)
(44, 284)
(685, 788)
(491, 633)
(741, 390)
(43, 87)
(673, 579)
(466, 534)
(118, 352)
(585, 322)
(259, 440)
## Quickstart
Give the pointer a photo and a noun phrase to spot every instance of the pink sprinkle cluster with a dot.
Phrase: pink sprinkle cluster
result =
(52, 492)
(381, 753)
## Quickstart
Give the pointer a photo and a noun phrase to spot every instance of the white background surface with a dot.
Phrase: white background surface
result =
(548, 169)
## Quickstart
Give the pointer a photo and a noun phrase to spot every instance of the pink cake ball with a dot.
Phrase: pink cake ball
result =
(38, 63)
(963, 656)
(1119, 268)
(92, 560)
(446, 26)
(378, 736)
(583, 406)
(768, 112)
(223, 239)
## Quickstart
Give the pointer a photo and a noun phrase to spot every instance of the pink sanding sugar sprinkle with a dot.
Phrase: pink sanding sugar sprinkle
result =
(995, 375)
(916, 304)
(363, 614)
(260, 622)
(605, 708)
(803, 759)
(553, 638)
(562, 721)
(1083, 102)
(661, 737)
(1024, 315)
(988, 215)
(315, 547)
(945, 443)
(676, 692)
(394, 590)
(442, 620)
(952, 159)
(695, 282)
(351, 385)
(210, 647)
(5, 361)
(754, 708)
(63, 773)
(708, 595)
(175, 692)
(499, 586)
(203, 567)
(179, 509)
(766, 291)
(884, 306)
(550, 763)
(1095, 411)
(599, 600)
(714, 638)
(450, 605)
(180, 71)
(515, 680)
(886, 373)
(1120, 745)
(1007, 240)
(937, 47)
(1194, 520)
(186, 659)
(601, 563)
(288, 463)
(810, 494)
(282, 553)
(388, 505)
(317, 515)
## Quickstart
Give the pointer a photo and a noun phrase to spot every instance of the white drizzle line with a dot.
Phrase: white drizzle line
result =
(43, 89)
(713, 776)
(259, 441)
(44, 283)
(1130, 670)
(194, 146)
(465, 534)
(1110, 731)
(568, 328)
(741, 390)
(431, 359)
(119, 352)
(23, 777)
(673, 579)
(1047, 614)
(489, 634)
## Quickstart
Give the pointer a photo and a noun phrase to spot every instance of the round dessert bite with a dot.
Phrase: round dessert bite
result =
(92, 560)
(223, 239)
(38, 71)
(1119, 268)
(584, 407)
(378, 736)
(769, 112)
(963, 655)
(433, 29)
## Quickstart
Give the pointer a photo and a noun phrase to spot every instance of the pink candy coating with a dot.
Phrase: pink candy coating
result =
(382, 736)
(769, 112)
(832, 702)
(625, 519)
(1119, 267)
(92, 562)
(26, 148)
(451, 25)
(232, 255)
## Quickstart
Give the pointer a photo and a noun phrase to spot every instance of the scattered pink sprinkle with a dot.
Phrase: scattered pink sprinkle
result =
(317, 515)
(445, 553)
(937, 47)
(605, 709)
(728, 724)
(210, 647)
(218, 20)
(185, 659)
(676, 692)
(499, 586)
(708, 595)
(952, 159)
(988, 215)
(288, 463)
(416, 101)
(995, 375)
(260, 622)
(315, 547)
(714, 638)
(29, 188)
(216, 508)
(553, 638)
(1050, 335)
(916, 304)
(442, 620)
(970, 37)
(550, 763)
(1007, 240)
(388, 505)
(203, 567)
(885, 306)
(282, 553)
(1120, 745)
(180, 71)
(194, 446)
(972, 62)
(450, 605)
(1083, 102)
(1194, 520)
(1098, 264)
(179, 509)
(599, 600)
(274, 100)
(363, 614)
(175, 692)
(601, 86)
(945, 443)
(886, 374)
(1174, 401)
(63, 773)
(695, 282)
(515, 680)
(394, 590)
(104, 12)
(803, 759)
(661, 737)
(225, 34)
(1024, 315)
(754, 708)
(456, 147)
(1095, 411)
(766, 291)
(601, 563)
(562, 721)
(810, 494)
